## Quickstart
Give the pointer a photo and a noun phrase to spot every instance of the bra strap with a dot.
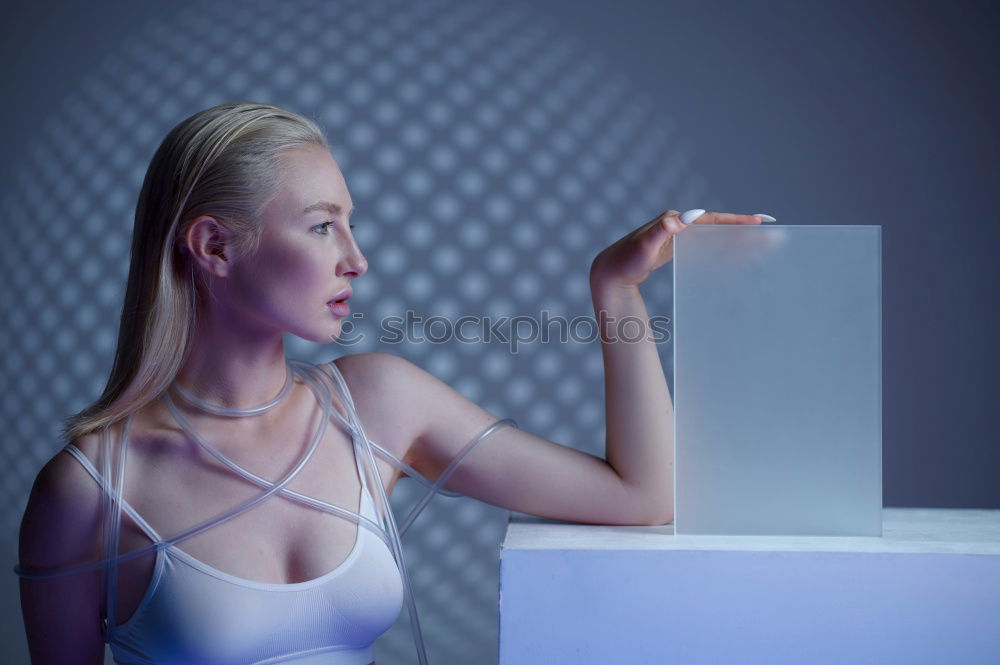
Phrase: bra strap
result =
(383, 510)
(337, 387)
(386, 454)
(106, 487)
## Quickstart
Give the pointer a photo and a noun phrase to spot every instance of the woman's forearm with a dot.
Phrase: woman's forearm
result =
(638, 409)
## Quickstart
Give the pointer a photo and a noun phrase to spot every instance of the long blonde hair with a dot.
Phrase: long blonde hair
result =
(224, 162)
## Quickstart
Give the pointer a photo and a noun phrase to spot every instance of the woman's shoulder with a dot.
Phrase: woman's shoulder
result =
(376, 372)
(385, 388)
(367, 360)
(64, 478)
(62, 517)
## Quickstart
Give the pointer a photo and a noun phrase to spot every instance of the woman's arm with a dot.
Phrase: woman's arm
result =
(58, 530)
(639, 427)
(510, 468)
(520, 471)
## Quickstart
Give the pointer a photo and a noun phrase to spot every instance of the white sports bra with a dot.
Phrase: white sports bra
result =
(194, 613)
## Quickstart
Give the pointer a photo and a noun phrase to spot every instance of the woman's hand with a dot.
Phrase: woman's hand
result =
(630, 259)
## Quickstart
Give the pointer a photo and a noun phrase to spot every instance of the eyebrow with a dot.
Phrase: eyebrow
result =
(328, 206)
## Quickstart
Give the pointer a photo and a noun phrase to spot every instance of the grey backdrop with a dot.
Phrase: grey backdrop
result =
(516, 140)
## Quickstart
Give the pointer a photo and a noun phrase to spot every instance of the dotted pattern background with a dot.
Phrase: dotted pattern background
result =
(490, 158)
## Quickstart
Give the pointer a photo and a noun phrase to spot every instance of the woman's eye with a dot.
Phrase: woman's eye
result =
(326, 224)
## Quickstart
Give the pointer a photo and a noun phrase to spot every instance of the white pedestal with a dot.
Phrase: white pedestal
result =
(927, 591)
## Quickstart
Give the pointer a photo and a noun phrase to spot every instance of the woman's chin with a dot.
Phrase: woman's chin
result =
(325, 335)
(322, 331)
(336, 334)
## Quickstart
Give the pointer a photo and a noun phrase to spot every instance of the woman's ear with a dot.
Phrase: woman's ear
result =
(209, 243)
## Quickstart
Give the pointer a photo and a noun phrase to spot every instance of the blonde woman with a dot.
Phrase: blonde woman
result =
(221, 504)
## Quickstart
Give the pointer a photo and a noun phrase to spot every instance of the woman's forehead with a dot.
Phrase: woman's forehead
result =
(313, 181)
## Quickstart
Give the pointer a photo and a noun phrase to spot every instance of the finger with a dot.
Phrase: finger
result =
(726, 218)
(655, 222)
(671, 221)
(691, 215)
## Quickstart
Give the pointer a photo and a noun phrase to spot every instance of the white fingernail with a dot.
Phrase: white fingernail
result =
(692, 215)
(765, 218)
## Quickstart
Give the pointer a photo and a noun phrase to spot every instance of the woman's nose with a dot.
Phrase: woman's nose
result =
(355, 261)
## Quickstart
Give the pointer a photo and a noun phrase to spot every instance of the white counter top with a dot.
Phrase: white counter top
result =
(915, 530)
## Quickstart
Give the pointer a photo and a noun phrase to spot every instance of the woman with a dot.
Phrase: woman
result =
(241, 234)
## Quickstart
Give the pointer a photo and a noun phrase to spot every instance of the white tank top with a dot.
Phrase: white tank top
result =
(192, 613)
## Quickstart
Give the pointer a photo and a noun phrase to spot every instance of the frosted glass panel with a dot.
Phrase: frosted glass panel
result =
(778, 380)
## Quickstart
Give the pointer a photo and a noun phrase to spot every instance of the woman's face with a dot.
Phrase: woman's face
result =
(307, 255)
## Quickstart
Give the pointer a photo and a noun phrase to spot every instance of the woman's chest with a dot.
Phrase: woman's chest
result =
(292, 536)
(253, 527)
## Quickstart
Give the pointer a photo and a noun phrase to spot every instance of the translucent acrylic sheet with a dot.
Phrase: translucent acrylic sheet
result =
(778, 380)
